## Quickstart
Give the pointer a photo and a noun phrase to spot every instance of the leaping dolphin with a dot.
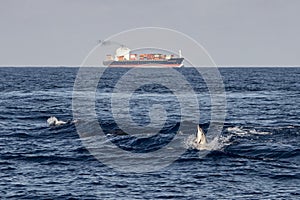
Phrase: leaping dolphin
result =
(200, 137)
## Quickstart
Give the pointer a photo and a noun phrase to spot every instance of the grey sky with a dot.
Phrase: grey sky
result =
(234, 32)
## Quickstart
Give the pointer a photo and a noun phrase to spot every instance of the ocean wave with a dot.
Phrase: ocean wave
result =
(237, 130)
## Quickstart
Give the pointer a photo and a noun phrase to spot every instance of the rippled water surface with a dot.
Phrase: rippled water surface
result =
(258, 155)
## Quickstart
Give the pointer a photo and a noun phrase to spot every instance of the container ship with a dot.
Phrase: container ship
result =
(125, 58)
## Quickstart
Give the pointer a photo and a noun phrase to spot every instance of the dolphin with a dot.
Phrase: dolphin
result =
(200, 137)
(53, 121)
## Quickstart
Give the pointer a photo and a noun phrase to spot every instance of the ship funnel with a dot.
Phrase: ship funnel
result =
(180, 56)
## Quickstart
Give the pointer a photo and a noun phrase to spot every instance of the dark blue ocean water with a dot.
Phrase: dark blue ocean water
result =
(258, 155)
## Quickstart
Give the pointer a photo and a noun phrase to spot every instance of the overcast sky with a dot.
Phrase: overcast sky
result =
(234, 32)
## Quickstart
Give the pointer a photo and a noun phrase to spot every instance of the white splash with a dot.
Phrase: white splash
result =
(53, 121)
(244, 131)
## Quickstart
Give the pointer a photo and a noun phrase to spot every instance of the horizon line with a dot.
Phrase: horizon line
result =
(221, 66)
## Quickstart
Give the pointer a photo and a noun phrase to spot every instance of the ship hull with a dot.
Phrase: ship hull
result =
(173, 62)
